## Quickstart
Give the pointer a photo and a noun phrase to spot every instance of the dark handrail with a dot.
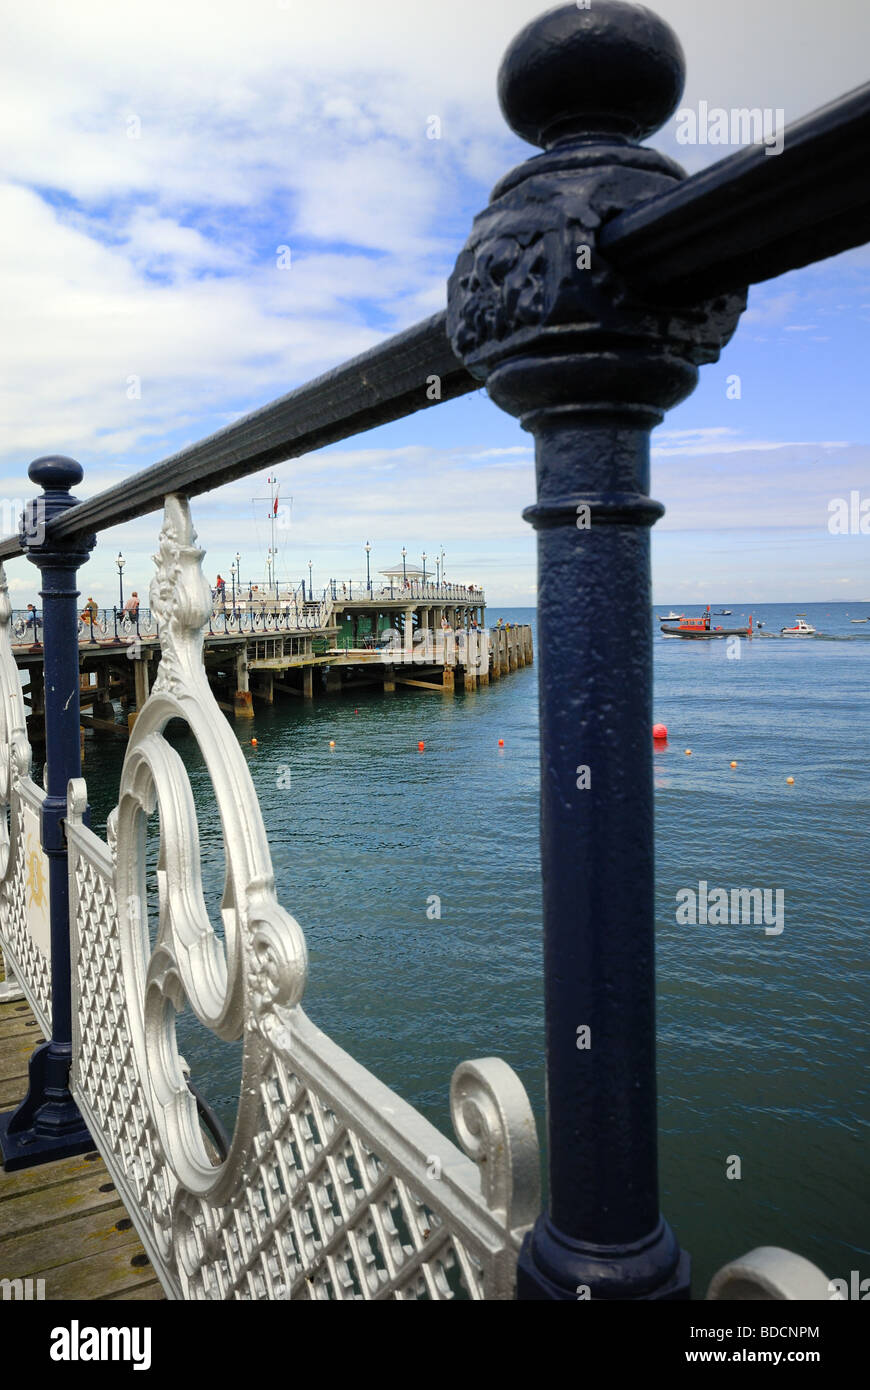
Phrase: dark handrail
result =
(754, 215)
(386, 383)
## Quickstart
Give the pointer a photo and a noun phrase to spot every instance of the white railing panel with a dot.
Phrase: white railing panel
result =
(334, 1187)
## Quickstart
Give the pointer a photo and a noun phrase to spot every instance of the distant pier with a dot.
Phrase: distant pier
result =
(431, 638)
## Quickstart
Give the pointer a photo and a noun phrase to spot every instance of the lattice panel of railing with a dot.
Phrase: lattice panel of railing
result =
(107, 1087)
(24, 909)
(334, 1187)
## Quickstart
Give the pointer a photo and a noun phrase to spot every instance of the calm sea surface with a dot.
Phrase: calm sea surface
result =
(762, 1039)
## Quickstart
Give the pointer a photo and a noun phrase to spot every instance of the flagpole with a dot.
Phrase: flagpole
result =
(272, 511)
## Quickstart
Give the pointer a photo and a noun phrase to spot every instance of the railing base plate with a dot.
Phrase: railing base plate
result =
(47, 1123)
(29, 1147)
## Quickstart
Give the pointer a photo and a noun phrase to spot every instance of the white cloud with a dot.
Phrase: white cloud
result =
(277, 123)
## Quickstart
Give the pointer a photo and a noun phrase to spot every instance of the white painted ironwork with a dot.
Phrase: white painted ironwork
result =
(769, 1274)
(24, 912)
(334, 1187)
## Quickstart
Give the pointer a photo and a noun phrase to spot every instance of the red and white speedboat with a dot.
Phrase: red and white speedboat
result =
(801, 629)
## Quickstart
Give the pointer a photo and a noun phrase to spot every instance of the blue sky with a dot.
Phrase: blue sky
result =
(155, 164)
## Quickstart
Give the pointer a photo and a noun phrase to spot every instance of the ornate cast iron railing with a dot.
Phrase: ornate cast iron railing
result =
(591, 290)
(334, 1187)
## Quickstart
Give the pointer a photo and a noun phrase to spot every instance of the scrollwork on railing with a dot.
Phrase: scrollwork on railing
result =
(333, 1187)
(769, 1274)
(495, 1126)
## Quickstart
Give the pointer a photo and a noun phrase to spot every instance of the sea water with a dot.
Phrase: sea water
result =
(415, 878)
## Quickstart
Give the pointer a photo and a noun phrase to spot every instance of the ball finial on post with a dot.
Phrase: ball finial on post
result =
(614, 70)
(55, 472)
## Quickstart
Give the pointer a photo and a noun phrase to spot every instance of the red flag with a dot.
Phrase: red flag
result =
(275, 508)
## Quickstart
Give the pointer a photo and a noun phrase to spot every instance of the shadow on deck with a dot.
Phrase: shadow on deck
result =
(62, 1222)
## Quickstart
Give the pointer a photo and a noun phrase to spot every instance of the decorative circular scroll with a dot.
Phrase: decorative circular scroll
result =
(243, 986)
(495, 1125)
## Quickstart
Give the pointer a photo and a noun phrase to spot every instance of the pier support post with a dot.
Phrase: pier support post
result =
(408, 636)
(47, 1124)
(140, 681)
(563, 344)
(503, 660)
(308, 682)
(243, 702)
(484, 648)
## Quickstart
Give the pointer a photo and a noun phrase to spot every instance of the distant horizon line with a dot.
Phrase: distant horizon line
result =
(700, 603)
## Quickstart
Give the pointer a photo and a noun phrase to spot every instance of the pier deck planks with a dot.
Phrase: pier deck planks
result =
(63, 1222)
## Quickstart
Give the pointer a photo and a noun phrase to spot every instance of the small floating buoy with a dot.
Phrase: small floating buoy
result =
(501, 743)
(790, 781)
(421, 745)
(253, 743)
(660, 732)
(733, 764)
(332, 743)
(688, 752)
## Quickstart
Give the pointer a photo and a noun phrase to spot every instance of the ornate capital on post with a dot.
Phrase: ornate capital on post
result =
(533, 306)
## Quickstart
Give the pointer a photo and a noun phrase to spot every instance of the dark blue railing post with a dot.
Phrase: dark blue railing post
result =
(47, 1123)
(589, 369)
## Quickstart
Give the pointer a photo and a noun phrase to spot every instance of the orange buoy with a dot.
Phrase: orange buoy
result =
(790, 781)
(421, 745)
(253, 743)
(688, 752)
(660, 732)
(332, 743)
(501, 743)
(733, 764)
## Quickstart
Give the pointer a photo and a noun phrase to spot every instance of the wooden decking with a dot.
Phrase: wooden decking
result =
(63, 1222)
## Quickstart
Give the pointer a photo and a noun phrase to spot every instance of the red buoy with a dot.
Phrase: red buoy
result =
(421, 745)
(660, 732)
